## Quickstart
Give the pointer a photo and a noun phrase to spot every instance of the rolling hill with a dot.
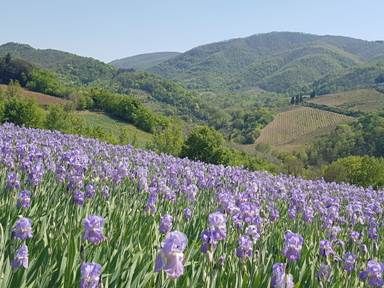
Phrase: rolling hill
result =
(275, 61)
(143, 61)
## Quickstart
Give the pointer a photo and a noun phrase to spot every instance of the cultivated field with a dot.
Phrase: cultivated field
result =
(299, 126)
(40, 98)
(365, 100)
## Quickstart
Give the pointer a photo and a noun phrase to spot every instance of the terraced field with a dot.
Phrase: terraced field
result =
(299, 126)
(365, 100)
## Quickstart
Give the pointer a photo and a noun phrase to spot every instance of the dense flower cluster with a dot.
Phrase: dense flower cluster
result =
(225, 211)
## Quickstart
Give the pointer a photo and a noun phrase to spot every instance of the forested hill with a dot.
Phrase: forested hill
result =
(276, 61)
(77, 69)
(143, 61)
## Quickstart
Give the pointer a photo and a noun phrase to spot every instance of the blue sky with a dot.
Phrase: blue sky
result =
(110, 29)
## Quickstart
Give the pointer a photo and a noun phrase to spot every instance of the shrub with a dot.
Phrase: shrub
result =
(359, 170)
(23, 112)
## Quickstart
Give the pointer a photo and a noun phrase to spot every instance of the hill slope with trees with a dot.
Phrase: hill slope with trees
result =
(274, 61)
(143, 61)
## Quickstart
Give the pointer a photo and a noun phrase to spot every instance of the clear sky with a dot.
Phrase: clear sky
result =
(110, 29)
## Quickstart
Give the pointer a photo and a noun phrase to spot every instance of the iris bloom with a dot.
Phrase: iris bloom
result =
(22, 229)
(170, 258)
(93, 229)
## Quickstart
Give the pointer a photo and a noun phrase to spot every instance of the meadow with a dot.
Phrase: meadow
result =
(110, 125)
(79, 212)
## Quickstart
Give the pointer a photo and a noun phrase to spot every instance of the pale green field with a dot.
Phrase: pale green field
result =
(110, 125)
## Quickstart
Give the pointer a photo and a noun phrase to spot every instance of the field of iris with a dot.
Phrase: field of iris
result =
(78, 212)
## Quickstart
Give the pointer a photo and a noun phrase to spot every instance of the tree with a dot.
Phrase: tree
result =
(359, 170)
(57, 119)
(47, 82)
(13, 89)
(204, 144)
(14, 69)
(169, 140)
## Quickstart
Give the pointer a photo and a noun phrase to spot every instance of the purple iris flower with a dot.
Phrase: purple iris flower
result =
(21, 257)
(373, 274)
(245, 248)
(93, 229)
(216, 232)
(372, 232)
(78, 197)
(170, 258)
(13, 181)
(24, 199)
(279, 278)
(90, 191)
(187, 213)
(354, 236)
(349, 260)
(325, 272)
(293, 244)
(326, 248)
(22, 229)
(253, 232)
(165, 224)
(90, 275)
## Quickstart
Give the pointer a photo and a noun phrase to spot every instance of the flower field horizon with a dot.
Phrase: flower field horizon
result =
(77, 212)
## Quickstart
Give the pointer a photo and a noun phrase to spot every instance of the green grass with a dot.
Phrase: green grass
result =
(136, 136)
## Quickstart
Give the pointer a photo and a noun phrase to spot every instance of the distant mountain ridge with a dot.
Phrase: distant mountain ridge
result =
(274, 61)
(143, 61)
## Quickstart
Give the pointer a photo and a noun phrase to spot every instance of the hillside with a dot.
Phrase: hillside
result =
(135, 136)
(40, 98)
(274, 61)
(77, 69)
(299, 126)
(143, 61)
(364, 100)
(363, 76)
